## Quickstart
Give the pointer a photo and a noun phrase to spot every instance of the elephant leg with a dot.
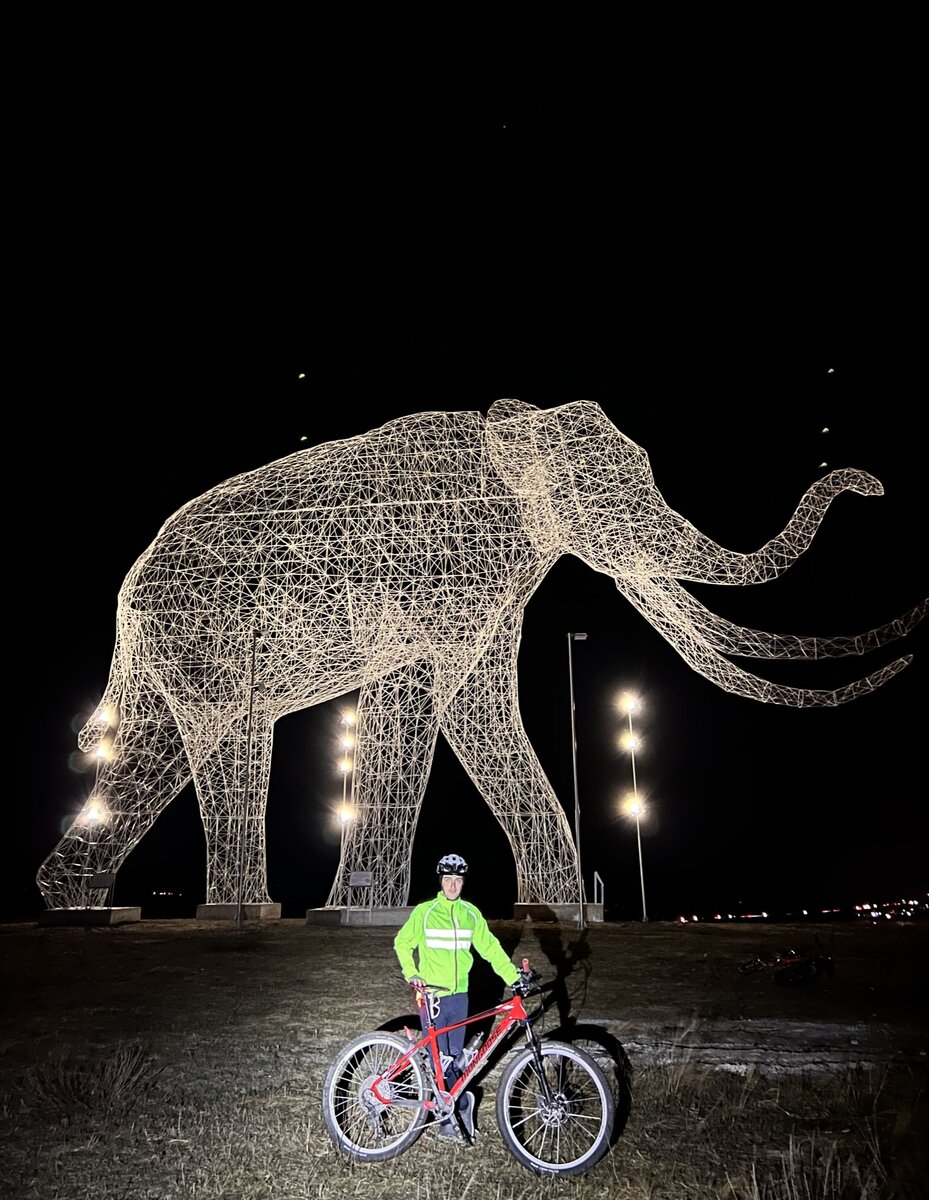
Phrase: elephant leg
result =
(395, 738)
(232, 792)
(483, 726)
(140, 770)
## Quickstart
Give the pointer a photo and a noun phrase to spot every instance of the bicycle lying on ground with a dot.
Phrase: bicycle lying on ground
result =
(790, 966)
(554, 1105)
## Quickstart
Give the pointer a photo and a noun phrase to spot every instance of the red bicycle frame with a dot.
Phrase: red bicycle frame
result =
(511, 1011)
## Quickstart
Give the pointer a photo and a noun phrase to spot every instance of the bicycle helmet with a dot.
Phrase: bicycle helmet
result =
(452, 864)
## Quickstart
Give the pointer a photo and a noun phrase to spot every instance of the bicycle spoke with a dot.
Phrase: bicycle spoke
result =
(562, 1124)
(369, 1114)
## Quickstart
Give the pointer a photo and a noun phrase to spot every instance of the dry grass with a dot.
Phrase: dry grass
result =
(187, 1064)
(697, 1136)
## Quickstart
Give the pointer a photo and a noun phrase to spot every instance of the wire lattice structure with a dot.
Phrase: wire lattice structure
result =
(398, 564)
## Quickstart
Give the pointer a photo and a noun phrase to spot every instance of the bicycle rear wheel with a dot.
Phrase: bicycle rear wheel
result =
(373, 1127)
(568, 1134)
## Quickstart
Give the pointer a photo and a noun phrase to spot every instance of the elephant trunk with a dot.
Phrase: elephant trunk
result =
(692, 556)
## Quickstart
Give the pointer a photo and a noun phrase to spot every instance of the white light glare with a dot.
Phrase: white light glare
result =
(94, 812)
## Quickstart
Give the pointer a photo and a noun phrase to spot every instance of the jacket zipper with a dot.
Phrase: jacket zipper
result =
(455, 924)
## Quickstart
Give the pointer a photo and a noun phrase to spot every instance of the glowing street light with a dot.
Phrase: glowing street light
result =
(346, 767)
(576, 637)
(632, 805)
(347, 744)
(95, 812)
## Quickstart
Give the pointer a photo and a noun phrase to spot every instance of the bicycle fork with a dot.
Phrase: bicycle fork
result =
(539, 1066)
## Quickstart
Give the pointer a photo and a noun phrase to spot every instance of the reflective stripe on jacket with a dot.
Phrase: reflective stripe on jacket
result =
(443, 933)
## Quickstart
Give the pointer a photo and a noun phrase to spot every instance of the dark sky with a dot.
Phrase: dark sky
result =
(727, 273)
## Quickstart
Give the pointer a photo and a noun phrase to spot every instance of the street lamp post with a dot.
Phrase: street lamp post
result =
(576, 637)
(344, 817)
(94, 819)
(93, 814)
(345, 812)
(633, 805)
(252, 688)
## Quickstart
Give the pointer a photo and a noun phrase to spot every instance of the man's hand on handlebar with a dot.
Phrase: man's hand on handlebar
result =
(417, 982)
(527, 977)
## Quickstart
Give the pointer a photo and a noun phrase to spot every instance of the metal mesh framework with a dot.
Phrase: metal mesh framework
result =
(398, 564)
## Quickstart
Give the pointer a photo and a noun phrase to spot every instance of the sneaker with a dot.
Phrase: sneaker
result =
(449, 1131)
(466, 1113)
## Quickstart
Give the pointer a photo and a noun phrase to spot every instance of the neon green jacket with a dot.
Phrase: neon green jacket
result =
(443, 933)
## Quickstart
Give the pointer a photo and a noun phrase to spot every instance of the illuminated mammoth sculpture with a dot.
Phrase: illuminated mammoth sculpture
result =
(398, 563)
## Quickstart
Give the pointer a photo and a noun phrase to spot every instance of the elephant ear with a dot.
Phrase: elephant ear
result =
(511, 446)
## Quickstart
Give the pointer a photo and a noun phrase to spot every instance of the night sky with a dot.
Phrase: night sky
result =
(720, 282)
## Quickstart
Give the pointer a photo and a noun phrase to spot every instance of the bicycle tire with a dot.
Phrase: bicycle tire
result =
(363, 1127)
(569, 1136)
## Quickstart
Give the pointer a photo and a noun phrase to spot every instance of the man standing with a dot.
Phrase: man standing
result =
(443, 933)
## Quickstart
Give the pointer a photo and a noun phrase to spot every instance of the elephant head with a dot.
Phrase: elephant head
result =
(588, 490)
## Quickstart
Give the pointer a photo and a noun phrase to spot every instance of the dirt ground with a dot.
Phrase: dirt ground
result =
(164, 980)
(260, 1011)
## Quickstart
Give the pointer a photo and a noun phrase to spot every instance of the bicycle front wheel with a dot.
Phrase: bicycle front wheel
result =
(564, 1135)
(368, 1124)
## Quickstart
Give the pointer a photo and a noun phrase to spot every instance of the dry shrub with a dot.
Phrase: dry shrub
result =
(108, 1088)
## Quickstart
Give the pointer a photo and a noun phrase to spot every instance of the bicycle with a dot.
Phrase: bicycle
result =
(554, 1105)
(790, 966)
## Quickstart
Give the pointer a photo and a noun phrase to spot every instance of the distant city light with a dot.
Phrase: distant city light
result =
(886, 910)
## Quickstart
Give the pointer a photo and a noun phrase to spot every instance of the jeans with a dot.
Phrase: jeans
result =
(452, 1008)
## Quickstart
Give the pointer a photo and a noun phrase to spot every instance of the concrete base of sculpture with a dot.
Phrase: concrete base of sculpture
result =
(90, 916)
(357, 916)
(230, 912)
(324, 916)
(563, 914)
